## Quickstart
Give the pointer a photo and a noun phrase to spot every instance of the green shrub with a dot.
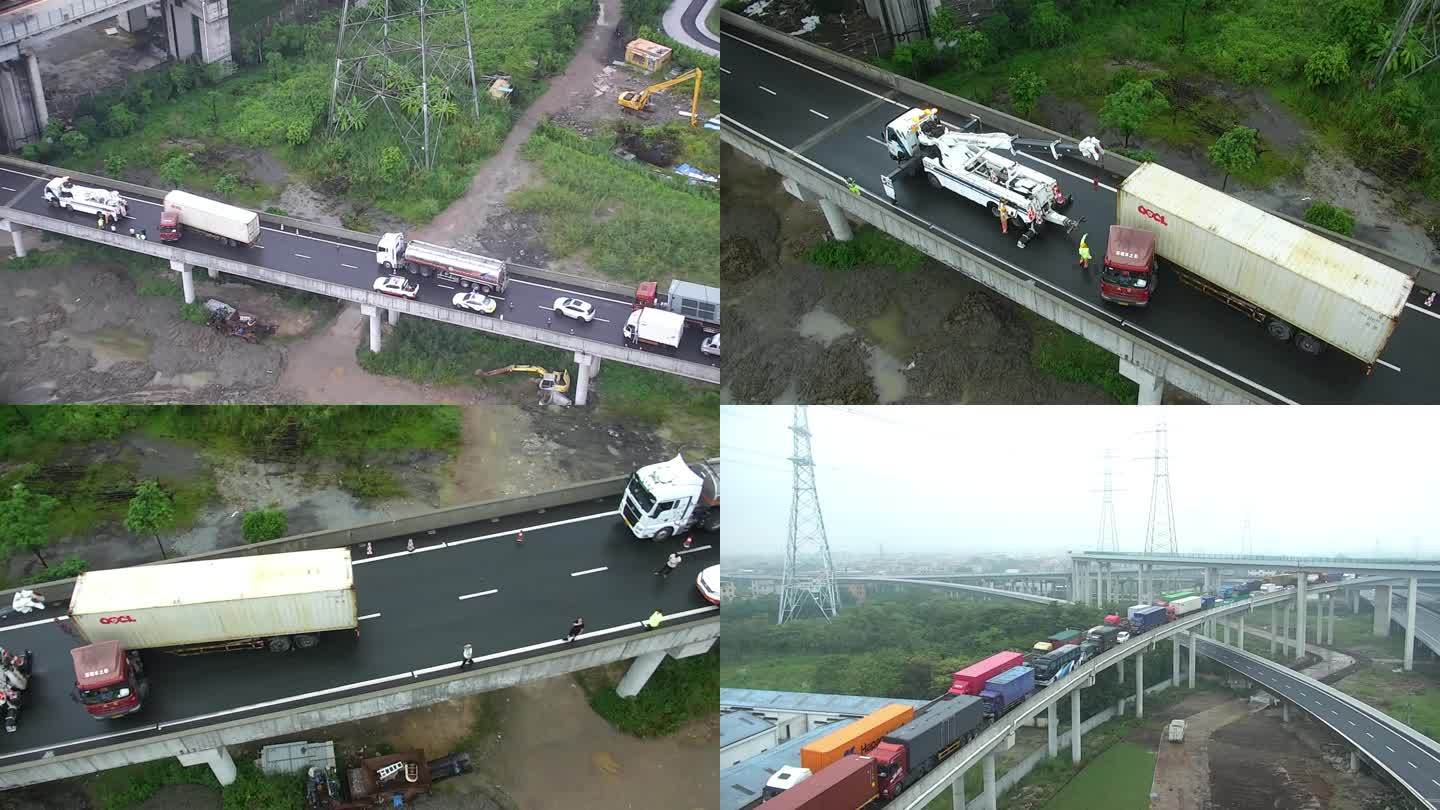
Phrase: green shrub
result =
(178, 169)
(1331, 217)
(1328, 65)
(121, 121)
(1352, 21)
(869, 248)
(1047, 26)
(195, 313)
(75, 142)
(71, 567)
(115, 165)
(261, 525)
(1026, 88)
(917, 60)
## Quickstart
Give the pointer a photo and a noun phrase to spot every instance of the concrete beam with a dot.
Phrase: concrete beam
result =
(1152, 387)
(639, 673)
(217, 758)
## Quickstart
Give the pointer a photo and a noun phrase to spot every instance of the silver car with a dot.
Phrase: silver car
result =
(474, 302)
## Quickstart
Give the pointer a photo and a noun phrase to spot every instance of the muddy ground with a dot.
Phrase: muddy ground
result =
(803, 333)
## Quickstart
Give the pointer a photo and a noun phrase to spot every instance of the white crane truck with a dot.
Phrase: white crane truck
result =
(62, 192)
(470, 271)
(962, 162)
(662, 500)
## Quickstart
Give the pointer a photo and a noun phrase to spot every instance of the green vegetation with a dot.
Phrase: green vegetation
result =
(681, 689)
(1410, 697)
(25, 521)
(631, 222)
(260, 525)
(71, 567)
(1128, 108)
(685, 408)
(871, 247)
(1119, 778)
(1067, 356)
(1331, 217)
(1356, 632)
(151, 512)
(131, 786)
(1235, 151)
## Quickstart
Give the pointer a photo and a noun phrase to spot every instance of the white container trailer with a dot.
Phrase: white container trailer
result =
(1189, 604)
(655, 327)
(469, 270)
(215, 219)
(217, 601)
(1298, 283)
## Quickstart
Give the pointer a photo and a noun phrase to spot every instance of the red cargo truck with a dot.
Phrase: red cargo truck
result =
(849, 784)
(971, 680)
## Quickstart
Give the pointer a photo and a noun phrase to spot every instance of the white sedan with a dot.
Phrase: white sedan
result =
(575, 308)
(708, 583)
(396, 285)
(475, 302)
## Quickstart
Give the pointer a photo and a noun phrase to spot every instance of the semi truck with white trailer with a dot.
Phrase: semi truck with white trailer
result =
(65, 194)
(662, 500)
(275, 602)
(469, 270)
(960, 161)
(225, 223)
(1302, 287)
(649, 326)
(699, 304)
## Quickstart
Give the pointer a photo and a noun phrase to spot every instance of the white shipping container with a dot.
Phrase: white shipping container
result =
(1187, 605)
(652, 325)
(1342, 297)
(215, 217)
(217, 600)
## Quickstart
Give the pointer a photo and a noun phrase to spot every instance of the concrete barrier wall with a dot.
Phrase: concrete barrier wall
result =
(533, 334)
(691, 637)
(1051, 303)
(1115, 163)
(604, 492)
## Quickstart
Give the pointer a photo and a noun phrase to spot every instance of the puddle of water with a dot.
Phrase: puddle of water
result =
(193, 380)
(886, 372)
(888, 330)
(820, 325)
(107, 346)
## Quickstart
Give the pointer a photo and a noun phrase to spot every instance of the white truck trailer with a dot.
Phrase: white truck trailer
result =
(650, 326)
(698, 303)
(277, 602)
(65, 194)
(662, 500)
(1190, 604)
(1298, 284)
(220, 221)
(470, 271)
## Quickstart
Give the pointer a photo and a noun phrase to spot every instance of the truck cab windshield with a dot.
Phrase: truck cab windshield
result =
(642, 496)
(1124, 278)
(90, 697)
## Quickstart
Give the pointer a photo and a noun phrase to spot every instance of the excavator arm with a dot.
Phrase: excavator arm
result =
(639, 101)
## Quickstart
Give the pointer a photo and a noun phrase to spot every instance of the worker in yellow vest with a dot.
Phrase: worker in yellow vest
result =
(654, 620)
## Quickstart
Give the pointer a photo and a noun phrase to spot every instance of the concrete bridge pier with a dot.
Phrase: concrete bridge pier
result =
(187, 278)
(834, 214)
(392, 316)
(957, 792)
(1300, 615)
(1174, 662)
(197, 28)
(23, 112)
(217, 758)
(1284, 712)
(214, 274)
(133, 20)
(1274, 635)
(589, 367)
(375, 315)
(1075, 727)
(1382, 610)
(641, 668)
(1152, 388)
(987, 770)
(1191, 674)
(17, 236)
(1410, 624)
(1139, 686)
(1052, 722)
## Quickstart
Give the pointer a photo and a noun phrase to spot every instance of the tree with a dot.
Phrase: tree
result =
(1235, 151)
(945, 27)
(264, 524)
(971, 49)
(1026, 88)
(25, 522)
(76, 142)
(1329, 64)
(151, 511)
(1128, 108)
(115, 165)
(177, 169)
(121, 120)
(1047, 25)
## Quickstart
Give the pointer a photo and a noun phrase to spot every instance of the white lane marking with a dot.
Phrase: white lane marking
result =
(1392, 750)
(1437, 784)
(29, 624)
(875, 139)
(1211, 363)
(766, 89)
(822, 115)
(1387, 365)
(695, 549)
(816, 70)
(482, 593)
(535, 528)
(351, 266)
(1424, 313)
(1368, 734)
(589, 571)
(560, 642)
(726, 71)
(1332, 711)
(302, 255)
(81, 741)
(369, 616)
(7, 188)
(1352, 722)
(572, 292)
(445, 286)
(1411, 764)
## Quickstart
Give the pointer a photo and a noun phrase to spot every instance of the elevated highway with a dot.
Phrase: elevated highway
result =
(340, 263)
(923, 583)
(817, 118)
(467, 582)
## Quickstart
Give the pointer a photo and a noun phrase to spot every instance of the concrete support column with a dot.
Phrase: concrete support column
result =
(1382, 610)
(584, 376)
(987, 770)
(1139, 686)
(187, 278)
(1300, 615)
(839, 225)
(1274, 630)
(1152, 388)
(214, 274)
(1191, 674)
(392, 316)
(17, 238)
(957, 792)
(1410, 624)
(217, 758)
(1225, 632)
(1052, 722)
(1285, 630)
(1174, 661)
(1284, 712)
(1354, 600)
(1319, 618)
(1120, 667)
(640, 671)
(375, 316)
(1354, 761)
(1075, 727)
(1330, 631)
(37, 89)
(1240, 642)
(133, 20)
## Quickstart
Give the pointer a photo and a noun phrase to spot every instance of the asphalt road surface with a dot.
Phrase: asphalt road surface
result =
(417, 610)
(1416, 766)
(694, 23)
(320, 256)
(836, 120)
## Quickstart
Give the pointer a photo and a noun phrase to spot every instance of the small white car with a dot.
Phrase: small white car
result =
(475, 302)
(396, 285)
(575, 308)
(708, 583)
(1122, 637)
(711, 346)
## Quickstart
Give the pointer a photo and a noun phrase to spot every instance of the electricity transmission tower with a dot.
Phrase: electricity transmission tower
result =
(1109, 538)
(1160, 533)
(414, 58)
(1246, 546)
(1416, 49)
(807, 533)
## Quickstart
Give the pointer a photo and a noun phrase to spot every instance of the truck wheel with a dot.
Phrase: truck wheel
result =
(934, 181)
(1308, 343)
(279, 644)
(664, 534)
(1279, 329)
(389, 267)
(712, 522)
(307, 641)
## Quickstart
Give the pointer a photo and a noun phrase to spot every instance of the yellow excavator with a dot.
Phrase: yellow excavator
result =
(638, 102)
(550, 381)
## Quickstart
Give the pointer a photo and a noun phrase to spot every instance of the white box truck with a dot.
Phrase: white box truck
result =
(277, 602)
(1298, 284)
(220, 221)
(469, 270)
(655, 327)
(1190, 604)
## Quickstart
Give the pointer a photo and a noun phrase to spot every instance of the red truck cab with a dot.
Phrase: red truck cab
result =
(169, 225)
(109, 680)
(892, 762)
(645, 295)
(1128, 273)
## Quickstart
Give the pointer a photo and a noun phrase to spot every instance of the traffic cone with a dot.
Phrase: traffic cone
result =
(520, 538)
(410, 544)
(369, 549)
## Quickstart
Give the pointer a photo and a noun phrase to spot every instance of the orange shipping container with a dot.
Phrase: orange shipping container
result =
(856, 738)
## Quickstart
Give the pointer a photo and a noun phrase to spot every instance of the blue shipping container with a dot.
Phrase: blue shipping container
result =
(1147, 618)
(1207, 602)
(1003, 691)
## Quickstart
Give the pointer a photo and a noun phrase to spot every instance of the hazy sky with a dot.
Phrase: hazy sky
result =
(1348, 480)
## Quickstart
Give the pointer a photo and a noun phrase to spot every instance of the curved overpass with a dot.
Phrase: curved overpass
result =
(956, 586)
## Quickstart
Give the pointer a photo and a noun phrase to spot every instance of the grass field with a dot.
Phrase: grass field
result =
(1118, 779)
(1413, 698)
(1067, 356)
